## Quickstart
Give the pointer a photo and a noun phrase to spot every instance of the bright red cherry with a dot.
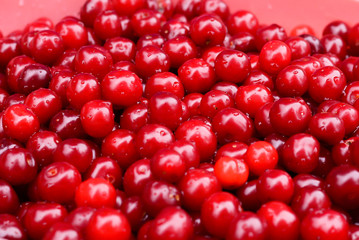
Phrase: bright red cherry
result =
(327, 127)
(107, 223)
(231, 124)
(82, 88)
(196, 75)
(121, 49)
(121, 88)
(19, 122)
(269, 33)
(232, 61)
(247, 225)
(214, 101)
(72, 32)
(62, 231)
(150, 60)
(274, 56)
(171, 223)
(281, 221)
(97, 118)
(107, 25)
(164, 82)
(17, 166)
(324, 224)
(289, 116)
(74, 151)
(292, 81)
(326, 83)
(11, 228)
(41, 216)
(217, 211)
(96, 193)
(46, 47)
(300, 153)
(91, 9)
(231, 172)
(261, 156)
(275, 185)
(207, 30)
(179, 50)
(57, 182)
(201, 135)
(93, 59)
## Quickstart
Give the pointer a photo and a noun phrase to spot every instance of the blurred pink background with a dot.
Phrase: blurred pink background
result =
(14, 14)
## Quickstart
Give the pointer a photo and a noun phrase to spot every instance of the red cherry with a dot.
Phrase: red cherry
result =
(72, 32)
(247, 225)
(96, 193)
(108, 224)
(231, 172)
(335, 227)
(147, 66)
(11, 228)
(62, 231)
(274, 56)
(261, 156)
(9, 201)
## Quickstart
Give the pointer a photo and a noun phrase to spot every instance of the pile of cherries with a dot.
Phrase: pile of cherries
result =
(145, 120)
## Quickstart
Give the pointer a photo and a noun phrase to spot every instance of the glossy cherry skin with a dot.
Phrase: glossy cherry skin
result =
(327, 127)
(292, 81)
(72, 32)
(96, 193)
(74, 151)
(232, 61)
(58, 84)
(109, 224)
(281, 220)
(348, 114)
(121, 88)
(107, 25)
(174, 28)
(230, 125)
(44, 103)
(262, 122)
(82, 88)
(217, 210)
(146, 21)
(120, 145)
(93, 59)
(242, 21)
(247, 225)
(269, 33)
(308, 64)
(337, 27)
(133, 209)
(350, 94)
(342, 182)
(165, 108)
(11, 228)
(157, 62)
(166, 7)
(334, 44)
(168, 165)
(196, 186)
(67, 124)
(46, 47)
(154, 39)
(97, 118)
(9, 201)
(171, 223)
(80, 217)
(309, 199)
(62, 231)
(19, 122)
(233, 149)
(300, 153)
(201, 135)
(335, 227)
(275, 185)
(57, 182)
(180, 49)
(106, 168)
(304, 180)
(326, 83)
(196, 75)
(157, 195)
(299, 47)
(188, 152)
(214, 101)
(164, 82)
(289, 116)
(17, 166)
(152, 137)
(231, 172)
(41, 216)
(261, 156)
(136, 177)
(10, 48)
(274, 56)
(91, 9)
(257, 76)
(121, 49)
(32, 77)
(249, 99)
(14, 69)
(315, 44)
(207, 30)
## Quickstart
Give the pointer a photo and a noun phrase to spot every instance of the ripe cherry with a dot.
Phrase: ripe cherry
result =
(261, 156)
(274, 56)
(231, 172)
(247, 225)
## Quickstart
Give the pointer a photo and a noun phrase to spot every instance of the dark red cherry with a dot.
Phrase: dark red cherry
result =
(247, 225)
(67, 124)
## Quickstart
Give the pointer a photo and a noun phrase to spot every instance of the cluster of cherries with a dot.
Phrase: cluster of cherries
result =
(144, 120)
